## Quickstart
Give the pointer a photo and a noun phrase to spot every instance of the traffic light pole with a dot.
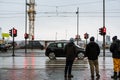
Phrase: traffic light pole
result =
(13, 34)
(103, 45)
(25, 25)
(103, 27)
(77, 24)
(13, 45)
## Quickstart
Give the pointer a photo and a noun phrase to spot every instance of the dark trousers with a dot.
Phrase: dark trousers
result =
(68, 67)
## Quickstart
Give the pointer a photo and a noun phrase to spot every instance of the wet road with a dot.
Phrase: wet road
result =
(40, 68)
(30, 67)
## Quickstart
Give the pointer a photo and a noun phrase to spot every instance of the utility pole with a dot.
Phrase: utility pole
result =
(31, 15)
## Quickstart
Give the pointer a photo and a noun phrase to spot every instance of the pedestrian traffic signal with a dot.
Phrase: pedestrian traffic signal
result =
(10, 32)
(104, 31)
(32, 37)
(77, 37)
(14, 32)
(26, 36)
(86, 36)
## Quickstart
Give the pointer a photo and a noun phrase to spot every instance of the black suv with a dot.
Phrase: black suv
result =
(56, 49)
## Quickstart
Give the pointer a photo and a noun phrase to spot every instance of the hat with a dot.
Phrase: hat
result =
(92, 38)
(114, 38)
(71, 40)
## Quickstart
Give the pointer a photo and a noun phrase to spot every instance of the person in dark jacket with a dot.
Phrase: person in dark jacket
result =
(70, 51)
(116, 57)
(92, 52)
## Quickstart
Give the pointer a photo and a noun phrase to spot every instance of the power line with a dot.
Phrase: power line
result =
(56, 16)
(3, 2)
(13, 13)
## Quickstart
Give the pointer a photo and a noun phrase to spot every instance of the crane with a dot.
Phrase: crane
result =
(31, 16)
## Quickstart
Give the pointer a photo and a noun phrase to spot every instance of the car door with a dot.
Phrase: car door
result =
(59, 50)
(64, 44)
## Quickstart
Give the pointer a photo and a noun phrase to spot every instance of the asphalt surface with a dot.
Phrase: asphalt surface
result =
(41, 68)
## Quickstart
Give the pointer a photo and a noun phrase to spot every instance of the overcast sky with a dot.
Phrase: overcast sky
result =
(57, 19)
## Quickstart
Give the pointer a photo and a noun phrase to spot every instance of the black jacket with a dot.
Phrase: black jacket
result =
(113, 49)
(92, 51)
(70, 51)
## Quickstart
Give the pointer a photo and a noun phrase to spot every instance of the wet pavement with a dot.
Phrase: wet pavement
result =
(41, 68)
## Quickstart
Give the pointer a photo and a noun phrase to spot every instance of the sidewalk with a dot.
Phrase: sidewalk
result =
(36, 68)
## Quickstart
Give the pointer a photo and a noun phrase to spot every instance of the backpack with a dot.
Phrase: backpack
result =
(118, 45)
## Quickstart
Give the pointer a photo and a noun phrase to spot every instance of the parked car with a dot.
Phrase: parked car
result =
(10, 44)
(56, 49)
(33, 45)
(3, 48)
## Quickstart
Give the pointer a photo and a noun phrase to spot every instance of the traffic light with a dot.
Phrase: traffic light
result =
(104, 31)
(101, 31)
(32, 37)
(26, 36)
(86, 36)
(14, 32)
(10, 32)
(77, 37)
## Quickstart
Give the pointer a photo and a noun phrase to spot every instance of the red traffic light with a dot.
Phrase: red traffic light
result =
(32, 37)
(14, 32)
(86, 36)
(26, 36)
(77, 36)
(104, 31)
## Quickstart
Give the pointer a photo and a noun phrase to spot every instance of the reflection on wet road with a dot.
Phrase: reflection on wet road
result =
(37, 62)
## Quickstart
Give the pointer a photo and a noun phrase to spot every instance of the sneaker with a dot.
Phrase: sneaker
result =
(70, 76)
(92, 76)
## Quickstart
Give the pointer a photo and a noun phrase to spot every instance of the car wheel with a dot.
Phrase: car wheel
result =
(51, 55)
(80, 55)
